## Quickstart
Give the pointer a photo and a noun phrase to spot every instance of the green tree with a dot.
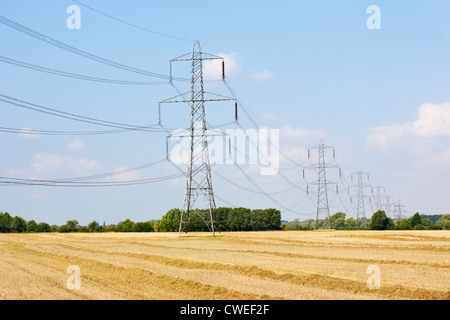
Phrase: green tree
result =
(63, 229)
(404, 224)
(170, 222)
(92, 226)
(350, 223)
(239, 219)
(338, 220)
(142, 227)
(72, 225)
(380, 221)
(18, 224)
(293, 225)
(258, 220)
(125, 226)
(444, 222)
(416, 220)
(32, 226)
(110, 228)
(5, 222)
(221, 218)
(273, 219)
(82, 229)
(43, 227)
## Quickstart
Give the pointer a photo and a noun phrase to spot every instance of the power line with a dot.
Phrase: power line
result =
(254, 120)
(131, 24)
(4, 181)
(115, 173)
(28, 131)
(14, 25)
(261, 190)
(251, 190)
(71, 116)
(79, 182)
(74, 75)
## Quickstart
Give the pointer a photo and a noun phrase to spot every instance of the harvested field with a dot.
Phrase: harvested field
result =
(231, 266)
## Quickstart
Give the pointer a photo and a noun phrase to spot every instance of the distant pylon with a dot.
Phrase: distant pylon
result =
(382, 201)
(360, 196)
(322, 183)
(398, 211)
(198, 175)
(388, 207)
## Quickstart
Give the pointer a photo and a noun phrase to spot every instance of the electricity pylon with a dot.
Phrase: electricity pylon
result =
(382, 201)
(379, 196)
(322, 183)
(398, 211)
(198, 175)
(360, 196)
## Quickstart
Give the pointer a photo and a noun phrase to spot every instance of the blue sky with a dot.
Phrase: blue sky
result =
(311, 69)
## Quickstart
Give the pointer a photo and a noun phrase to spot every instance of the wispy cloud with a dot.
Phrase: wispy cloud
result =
(76, 145)
(262, 76)
(51, 165)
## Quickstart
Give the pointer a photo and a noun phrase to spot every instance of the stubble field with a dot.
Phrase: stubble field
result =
(231, 266)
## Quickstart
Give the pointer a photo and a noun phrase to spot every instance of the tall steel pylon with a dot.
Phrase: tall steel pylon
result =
(322, 183)
(360, 196)
(198, 175)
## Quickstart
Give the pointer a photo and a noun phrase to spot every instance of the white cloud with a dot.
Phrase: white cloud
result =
(76, 145)
(49, 165)
(262, 76)
(417, 138)
(433, 121)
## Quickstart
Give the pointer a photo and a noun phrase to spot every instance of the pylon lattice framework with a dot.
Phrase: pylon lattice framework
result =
(322, 183)
(360, 196)
(382, 201)
(198, 175)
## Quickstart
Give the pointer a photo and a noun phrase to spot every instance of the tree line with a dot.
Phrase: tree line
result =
(232, 219)
(378, 221)
(225, 219)
(9, 224)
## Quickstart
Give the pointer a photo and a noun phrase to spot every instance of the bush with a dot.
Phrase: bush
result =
(142, 227)
(125, 226)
